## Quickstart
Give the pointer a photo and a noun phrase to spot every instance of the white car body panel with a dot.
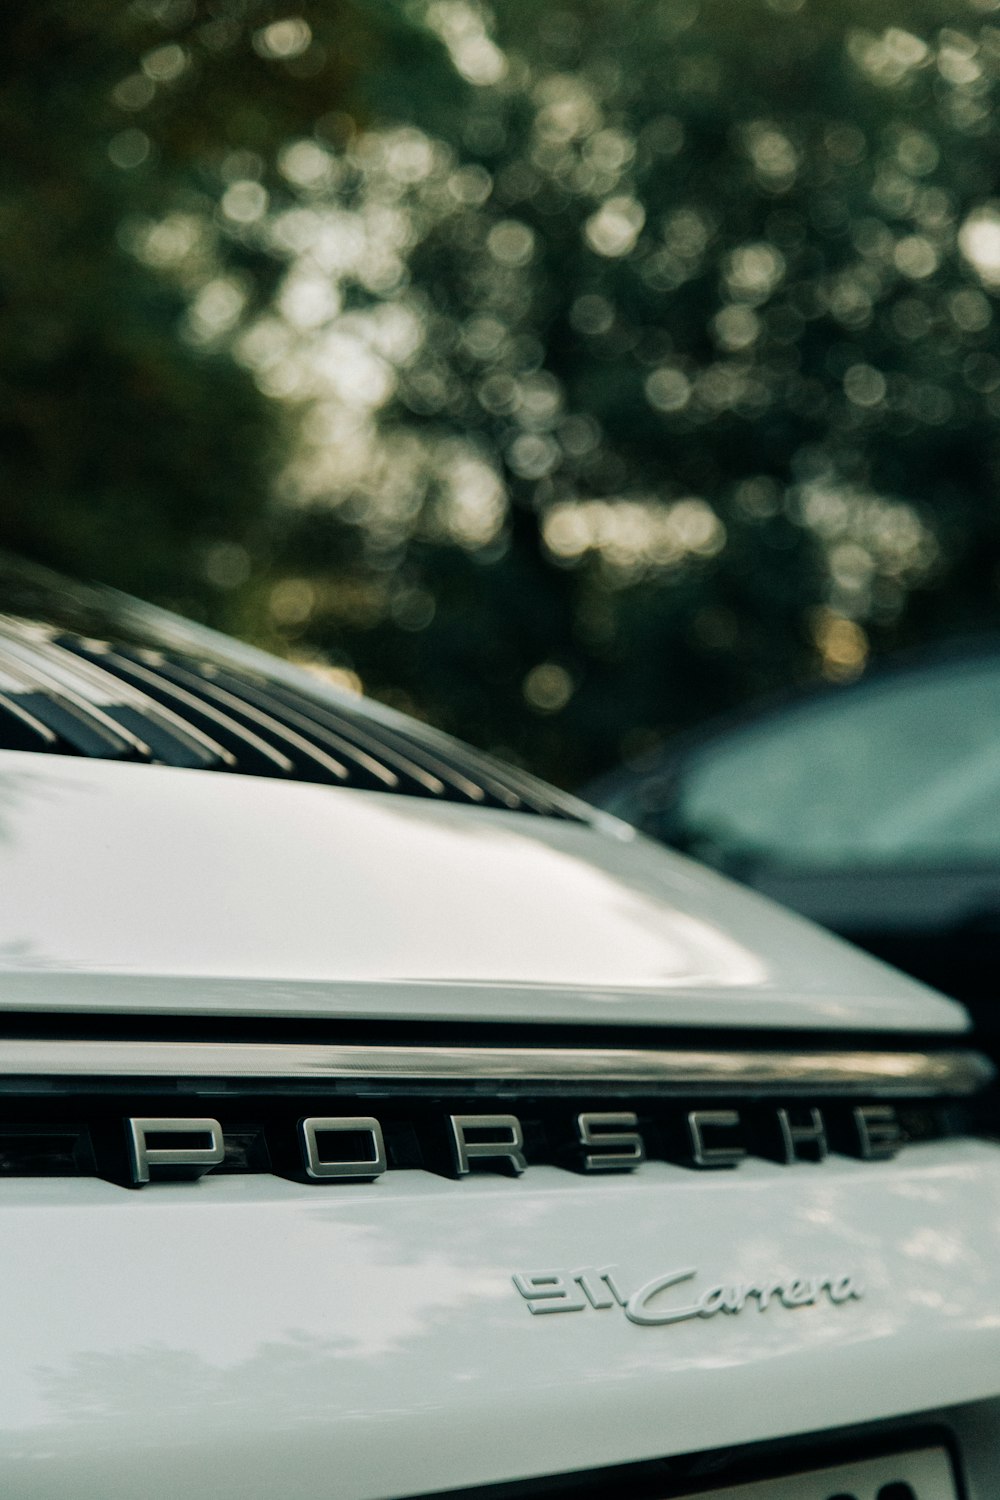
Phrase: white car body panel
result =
(130, 887)
(241, 1338)
(249, 1336)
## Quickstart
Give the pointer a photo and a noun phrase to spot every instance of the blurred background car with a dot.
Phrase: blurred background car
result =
(874, 809)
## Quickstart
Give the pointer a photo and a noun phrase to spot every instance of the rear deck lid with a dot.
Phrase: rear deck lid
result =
(133, 887)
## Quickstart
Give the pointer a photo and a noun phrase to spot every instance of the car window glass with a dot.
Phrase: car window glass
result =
(905, 771)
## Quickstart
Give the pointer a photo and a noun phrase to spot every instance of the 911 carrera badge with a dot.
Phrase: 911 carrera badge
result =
(649, 1306)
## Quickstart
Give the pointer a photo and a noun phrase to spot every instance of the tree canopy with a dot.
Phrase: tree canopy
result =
(563, 374)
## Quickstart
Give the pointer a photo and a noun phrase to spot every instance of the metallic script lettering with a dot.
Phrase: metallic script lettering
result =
(575, 1291)
(795, 1292)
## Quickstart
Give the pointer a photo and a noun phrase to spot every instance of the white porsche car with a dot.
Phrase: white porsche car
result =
(377, 1121)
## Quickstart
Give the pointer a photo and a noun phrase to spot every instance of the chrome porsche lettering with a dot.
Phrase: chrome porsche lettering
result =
(325, 1148)
(879, 1132)
(494, 1137)
(320, 1165)
(620, 1146)
(700, 1122)
(173, 1148)
(559, 1291)
(798, 1137)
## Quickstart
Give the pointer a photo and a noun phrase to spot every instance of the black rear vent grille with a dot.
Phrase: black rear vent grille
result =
(67, 695)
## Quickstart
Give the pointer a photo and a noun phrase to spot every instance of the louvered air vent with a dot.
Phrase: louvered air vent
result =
(68, 695)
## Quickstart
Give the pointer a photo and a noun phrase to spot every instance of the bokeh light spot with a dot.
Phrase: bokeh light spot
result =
(283, 39)
(548, 688)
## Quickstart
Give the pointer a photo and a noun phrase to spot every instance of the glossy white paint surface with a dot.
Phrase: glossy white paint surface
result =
(250, 1338)
(245, 1338)
(130, 887)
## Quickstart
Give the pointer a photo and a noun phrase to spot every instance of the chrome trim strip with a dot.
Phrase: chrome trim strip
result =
(950, 1072)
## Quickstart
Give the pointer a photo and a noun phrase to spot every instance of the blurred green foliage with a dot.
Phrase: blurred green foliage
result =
(563, 373)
